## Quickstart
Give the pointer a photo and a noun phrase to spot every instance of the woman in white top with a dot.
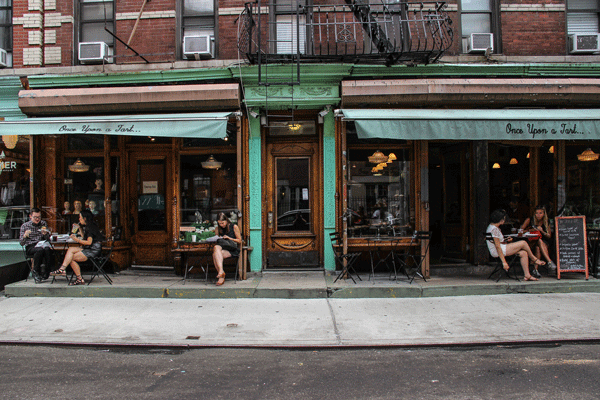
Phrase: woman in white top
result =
(501, 247)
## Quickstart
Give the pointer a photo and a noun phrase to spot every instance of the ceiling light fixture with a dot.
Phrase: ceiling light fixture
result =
(378, 158)
(211, 163)
(588, 155)
(10, 141)
(79, 166)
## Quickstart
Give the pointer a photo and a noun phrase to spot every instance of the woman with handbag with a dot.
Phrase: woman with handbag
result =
(228, 245)
(539, 222)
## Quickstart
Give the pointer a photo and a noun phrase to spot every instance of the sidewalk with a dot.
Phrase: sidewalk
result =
(299, 285)
(324, 322)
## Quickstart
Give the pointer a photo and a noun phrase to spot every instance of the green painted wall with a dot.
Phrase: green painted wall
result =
(328, 189)
(255, 192)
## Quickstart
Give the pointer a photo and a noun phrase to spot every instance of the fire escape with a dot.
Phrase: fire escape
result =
(359, 31)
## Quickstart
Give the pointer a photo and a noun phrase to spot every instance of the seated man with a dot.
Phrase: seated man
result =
(33, 232)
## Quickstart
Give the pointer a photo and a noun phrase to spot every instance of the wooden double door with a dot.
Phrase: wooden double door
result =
(293, 206)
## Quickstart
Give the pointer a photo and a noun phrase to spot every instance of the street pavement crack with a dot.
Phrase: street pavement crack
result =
(335, 327)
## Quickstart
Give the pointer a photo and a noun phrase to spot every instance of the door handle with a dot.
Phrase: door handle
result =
(270, 219)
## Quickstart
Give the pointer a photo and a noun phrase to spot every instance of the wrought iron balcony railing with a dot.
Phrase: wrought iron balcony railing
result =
(386, 32)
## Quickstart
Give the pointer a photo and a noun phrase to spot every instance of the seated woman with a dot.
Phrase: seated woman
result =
(501, 248)
(226, 230)
(539, 222)
(91, 247)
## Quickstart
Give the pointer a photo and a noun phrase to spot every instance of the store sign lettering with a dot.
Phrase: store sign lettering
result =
(7, 166)
(531, 130)
(121, 128)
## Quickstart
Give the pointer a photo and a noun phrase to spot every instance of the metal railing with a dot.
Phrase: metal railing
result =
(358, 32)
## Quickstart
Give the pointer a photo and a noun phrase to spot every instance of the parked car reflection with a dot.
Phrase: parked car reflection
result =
(294, 220)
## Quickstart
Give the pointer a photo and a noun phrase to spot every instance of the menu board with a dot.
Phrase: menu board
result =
(571, 245)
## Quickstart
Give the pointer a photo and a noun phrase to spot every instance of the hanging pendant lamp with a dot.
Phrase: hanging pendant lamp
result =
(378, 158)
(211, 163)
(79, 166)
(588, 155)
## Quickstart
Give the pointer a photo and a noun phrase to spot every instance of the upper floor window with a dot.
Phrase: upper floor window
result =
(478, 25)
(582, 26)
(6, 33)
(198, 24)
(290, 26)
(94, 16)
(582, 16)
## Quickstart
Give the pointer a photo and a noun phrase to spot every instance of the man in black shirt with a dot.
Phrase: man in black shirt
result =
(33, 236)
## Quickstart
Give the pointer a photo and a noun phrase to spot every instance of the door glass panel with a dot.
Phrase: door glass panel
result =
(151, 195)
(293, 194)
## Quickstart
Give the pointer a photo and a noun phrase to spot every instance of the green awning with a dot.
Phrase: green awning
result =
(505, 124)
(197, 125)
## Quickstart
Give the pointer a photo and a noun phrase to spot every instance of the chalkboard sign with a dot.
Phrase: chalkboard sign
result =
(571, 245)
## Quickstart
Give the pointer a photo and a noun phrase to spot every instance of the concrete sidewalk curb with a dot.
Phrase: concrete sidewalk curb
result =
(294, 323)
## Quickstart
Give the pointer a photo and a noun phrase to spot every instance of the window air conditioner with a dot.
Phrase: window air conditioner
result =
(196, 47)
(584, 43)
(480, 42)
(3, 58)
(92, 52)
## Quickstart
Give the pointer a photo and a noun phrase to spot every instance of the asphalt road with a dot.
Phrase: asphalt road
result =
(553, 371)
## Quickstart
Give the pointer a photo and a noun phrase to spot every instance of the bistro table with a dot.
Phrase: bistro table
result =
(376, 246)
(529, 236)
(203, 250)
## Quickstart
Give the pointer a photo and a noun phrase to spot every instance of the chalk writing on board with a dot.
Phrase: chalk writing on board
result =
(571, 244)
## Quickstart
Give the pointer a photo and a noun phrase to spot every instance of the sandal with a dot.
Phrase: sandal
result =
(78, 281)
(59, 272)
(530, 278)
(539, 262)
(221, 280)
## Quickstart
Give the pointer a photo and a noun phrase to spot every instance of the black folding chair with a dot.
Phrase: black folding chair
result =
(29, 261)
(499, 268)
(414, 260)
(345, 261)
(99, 263)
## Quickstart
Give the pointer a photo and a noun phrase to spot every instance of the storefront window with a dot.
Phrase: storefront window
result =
(83, 189)
(85, 142)
(207, 187)
(509, 179)
(380, 192)
(115, 195)
(14, 185)
(582, 189)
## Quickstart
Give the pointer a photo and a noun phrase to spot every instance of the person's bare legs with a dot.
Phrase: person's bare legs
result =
(543, 247)
(524, 252)
(218, 256)
(77, 257)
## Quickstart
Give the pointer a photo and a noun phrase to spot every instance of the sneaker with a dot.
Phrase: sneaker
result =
(536, 273)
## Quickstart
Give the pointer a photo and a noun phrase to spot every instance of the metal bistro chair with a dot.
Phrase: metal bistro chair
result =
(29, 261)
(99, 263)
(345, 261)
(498, 268)
(414, 261)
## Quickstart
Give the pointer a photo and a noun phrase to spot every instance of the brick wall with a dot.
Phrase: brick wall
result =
(533, 33)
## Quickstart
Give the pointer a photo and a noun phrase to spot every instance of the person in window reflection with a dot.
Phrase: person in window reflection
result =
(226, 230)
(67, 208)
(91, 247)
(539, 222)
(78, 207)
(501, 248)
(93, 209)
